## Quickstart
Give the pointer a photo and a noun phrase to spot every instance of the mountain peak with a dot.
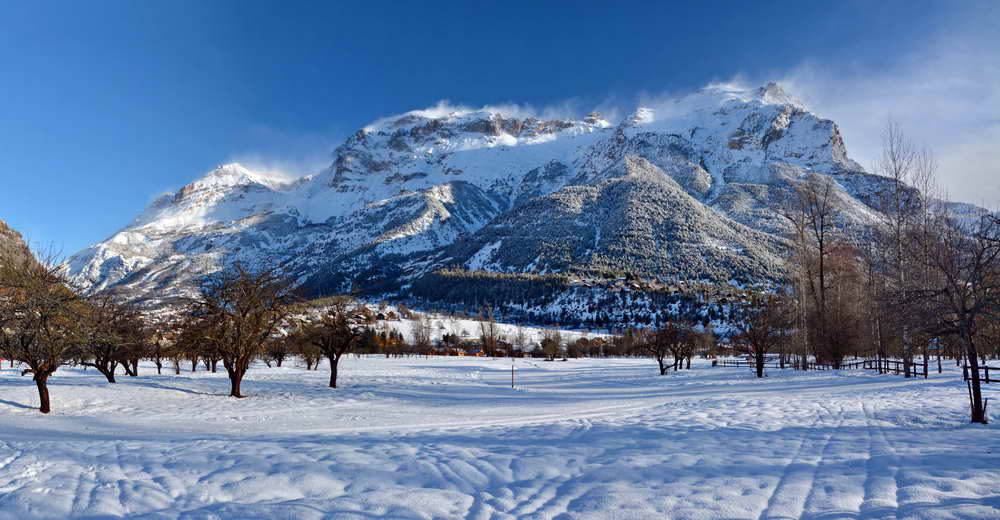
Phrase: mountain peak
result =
(771, 93)
(235, 174)
(774, 94)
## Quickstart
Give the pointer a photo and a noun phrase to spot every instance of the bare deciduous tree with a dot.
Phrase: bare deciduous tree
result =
(242, 311)
(763, 322)
(38, 318)
(334, 333)
(489, 332)
(551, 344)
(965, 289)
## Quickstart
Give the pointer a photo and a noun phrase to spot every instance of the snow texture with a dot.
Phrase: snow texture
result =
(426, 438)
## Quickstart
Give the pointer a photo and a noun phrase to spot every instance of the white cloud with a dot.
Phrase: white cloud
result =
(288, 155)
(567, 109)
(946, 96)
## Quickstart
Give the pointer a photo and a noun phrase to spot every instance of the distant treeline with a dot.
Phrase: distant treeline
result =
(554, 299)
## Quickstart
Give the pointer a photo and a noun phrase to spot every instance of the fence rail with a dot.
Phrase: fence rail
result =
(897, 367)
(885, 365)
(745, 363)
(851, 365)
(985, 376)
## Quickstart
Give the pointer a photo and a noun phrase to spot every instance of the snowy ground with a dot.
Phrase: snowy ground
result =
(449, 438)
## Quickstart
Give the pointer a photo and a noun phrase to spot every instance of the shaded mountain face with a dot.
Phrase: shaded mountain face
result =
(638, 219)
(691, 189)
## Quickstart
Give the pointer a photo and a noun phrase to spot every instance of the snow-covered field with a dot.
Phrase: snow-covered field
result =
(449, 438)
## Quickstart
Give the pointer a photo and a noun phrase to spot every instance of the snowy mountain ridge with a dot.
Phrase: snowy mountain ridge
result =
(682, 189)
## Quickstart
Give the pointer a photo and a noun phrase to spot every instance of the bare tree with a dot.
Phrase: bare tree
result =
(105, 335)
(657, 343)
(680, 339)
(520, 341)
(160, 343)
(334, 333)
(489, 335)
(39, 318)
(813, 215)
(423, 334)
(964, 258)
(551, 344)
(899, 207)
(242, 311)
(299, 344)
(763, 322)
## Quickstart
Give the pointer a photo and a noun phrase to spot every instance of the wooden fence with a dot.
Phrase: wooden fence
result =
(745, 363)
(892, 366)
(985, 376)
(851, 365)
(896, 367)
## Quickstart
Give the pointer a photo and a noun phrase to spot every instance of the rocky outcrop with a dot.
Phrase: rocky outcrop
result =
(12, 244)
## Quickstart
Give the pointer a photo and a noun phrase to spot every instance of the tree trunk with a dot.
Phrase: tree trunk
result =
(760, 365)
(333, 371)
(43, 393)
(663, 367)
(108, 373)
(235, 378)
(978, 408)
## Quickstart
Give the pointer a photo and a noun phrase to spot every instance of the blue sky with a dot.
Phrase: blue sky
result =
(104, 105)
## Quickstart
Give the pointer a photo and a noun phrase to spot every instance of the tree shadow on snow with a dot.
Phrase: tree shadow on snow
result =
(17, 405)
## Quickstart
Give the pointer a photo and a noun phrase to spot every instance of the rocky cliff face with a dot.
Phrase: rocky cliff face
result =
(690, 189)
(12, 245)
(11, 242)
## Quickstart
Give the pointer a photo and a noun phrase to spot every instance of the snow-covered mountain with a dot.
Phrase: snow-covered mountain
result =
(689, 189)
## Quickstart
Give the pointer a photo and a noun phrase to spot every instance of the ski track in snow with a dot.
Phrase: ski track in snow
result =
(449, 438)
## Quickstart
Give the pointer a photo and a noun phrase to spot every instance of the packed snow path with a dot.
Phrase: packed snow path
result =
(449, 438)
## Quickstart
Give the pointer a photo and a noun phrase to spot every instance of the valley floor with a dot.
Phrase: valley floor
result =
(449, 438)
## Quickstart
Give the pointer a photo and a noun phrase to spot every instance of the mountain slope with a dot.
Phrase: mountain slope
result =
(12, 243)
(689, 189)
(638, 219)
